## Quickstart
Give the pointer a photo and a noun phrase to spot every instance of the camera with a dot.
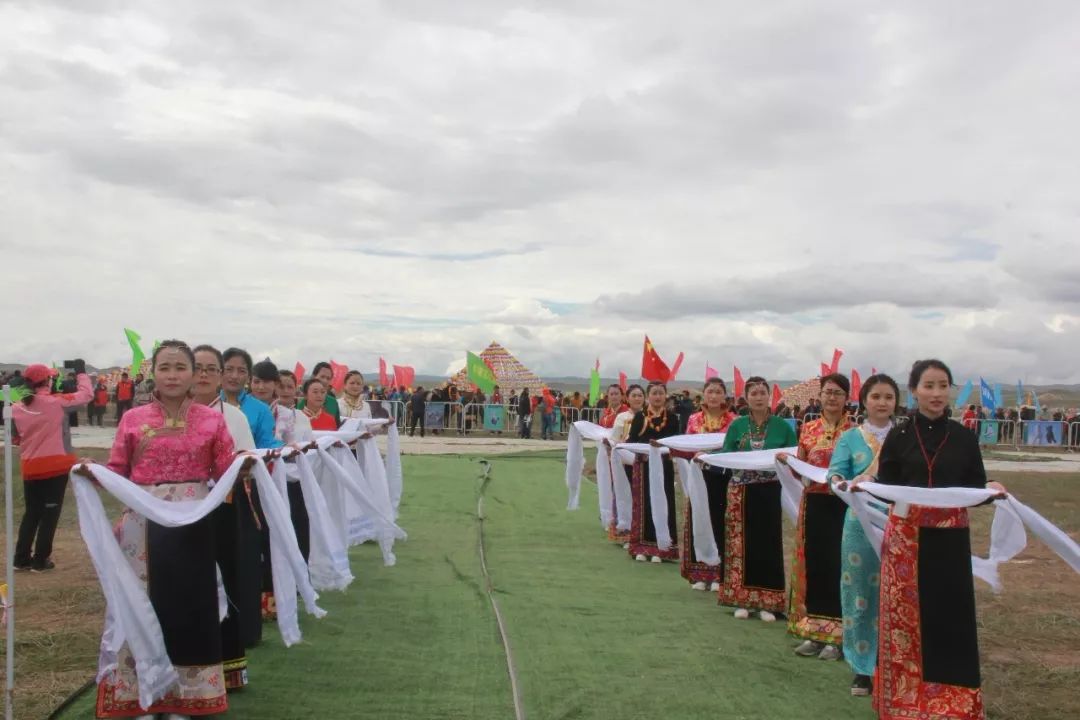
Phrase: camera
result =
(78, 365)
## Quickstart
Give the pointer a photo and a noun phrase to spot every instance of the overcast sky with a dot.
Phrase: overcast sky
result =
(751, 183)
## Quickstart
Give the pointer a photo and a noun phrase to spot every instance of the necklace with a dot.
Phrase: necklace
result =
(656, 422)
(710, 425)
(930, 459)
(756, 436)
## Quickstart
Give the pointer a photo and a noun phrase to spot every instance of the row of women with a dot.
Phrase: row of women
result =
(906, 624)
(209, 407)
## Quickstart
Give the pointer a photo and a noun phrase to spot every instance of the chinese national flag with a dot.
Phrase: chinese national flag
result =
(776, 396)
(740, 386)
(856, 383)
(299, 371)
(653, 368)
(622, 380)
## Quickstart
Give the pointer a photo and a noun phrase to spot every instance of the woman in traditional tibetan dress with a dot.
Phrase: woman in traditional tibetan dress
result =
(620, 431)
(928, 651)
(314, 396)
(714, 417)
(814, 614)
(856, 456)
(172, 448)
(753, 561)
(615, 407)
(238, 541)
(351, 403)
(652, 423)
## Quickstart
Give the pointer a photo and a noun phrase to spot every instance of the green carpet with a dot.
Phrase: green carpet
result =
(594, 634)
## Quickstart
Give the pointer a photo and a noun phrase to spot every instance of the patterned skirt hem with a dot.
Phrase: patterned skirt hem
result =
(109, 707)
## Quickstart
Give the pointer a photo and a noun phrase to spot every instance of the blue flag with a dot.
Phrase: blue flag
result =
(987, 394)
(999, 396)
(1038, 405)
(965, 393)
(1019, 393)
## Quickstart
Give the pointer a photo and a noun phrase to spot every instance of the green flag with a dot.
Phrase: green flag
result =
(59, 384)
(594, 387)
(19, 392)
(137, 356)
(479, 373)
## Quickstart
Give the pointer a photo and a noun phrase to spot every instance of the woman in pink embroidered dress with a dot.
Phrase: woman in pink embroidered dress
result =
(173, 448)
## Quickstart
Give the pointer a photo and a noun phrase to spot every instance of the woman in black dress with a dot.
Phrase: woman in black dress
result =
(928, 653)
(652, 423)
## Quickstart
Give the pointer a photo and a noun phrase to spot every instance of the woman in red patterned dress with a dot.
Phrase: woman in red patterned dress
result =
(713, 418)
(814, 613)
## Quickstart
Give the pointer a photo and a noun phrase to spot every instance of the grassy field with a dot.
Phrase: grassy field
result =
(594, 635)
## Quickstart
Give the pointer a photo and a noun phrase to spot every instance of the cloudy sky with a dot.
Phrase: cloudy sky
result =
(751, 183)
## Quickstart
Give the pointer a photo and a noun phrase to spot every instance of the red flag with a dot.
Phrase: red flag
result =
(710, 373)
(675, 368)
(837, 353)
(856, 383)
(597, 363)
(873, 371)
(622, 380)
(337, 380)
(384, 379)
(739, 385)
(825, 370)
(653, 368)
(404, 375)
(776, 396)
(298, 371)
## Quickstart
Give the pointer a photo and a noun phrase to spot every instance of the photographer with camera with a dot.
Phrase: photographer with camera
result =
(45, 456)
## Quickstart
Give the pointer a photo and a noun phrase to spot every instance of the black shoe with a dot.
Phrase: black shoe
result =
(22, 565)
(42, 567)
(862, 686)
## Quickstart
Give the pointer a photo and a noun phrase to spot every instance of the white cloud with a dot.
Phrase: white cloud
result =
(411, 179)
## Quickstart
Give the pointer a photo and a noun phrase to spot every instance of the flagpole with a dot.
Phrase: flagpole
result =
(9, 693)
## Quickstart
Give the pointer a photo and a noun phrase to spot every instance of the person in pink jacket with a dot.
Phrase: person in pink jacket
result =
(45, 456)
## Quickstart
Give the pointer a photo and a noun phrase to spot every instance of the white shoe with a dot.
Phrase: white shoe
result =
(742, 614)
(656, 559)
(626, 546)
(715, 587)
(830, 652)
(698, 586)
(640, 558)
(767, 616)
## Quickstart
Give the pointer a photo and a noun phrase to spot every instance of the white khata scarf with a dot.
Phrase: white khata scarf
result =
(1007, 536)
(132, 616)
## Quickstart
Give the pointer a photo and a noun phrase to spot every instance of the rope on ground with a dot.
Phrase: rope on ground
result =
(515, 687)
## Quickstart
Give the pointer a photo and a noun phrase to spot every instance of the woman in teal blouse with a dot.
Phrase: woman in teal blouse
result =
(856, 455)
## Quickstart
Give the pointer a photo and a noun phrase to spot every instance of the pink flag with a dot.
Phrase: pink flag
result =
(622, 380)
(710, 373)
(404, 375)
(837, 353)
(675, 368)
(856, 383)
(597, 363)
(873, 371)
(739, 385)
(384, 379)
(825, 370)
(298, 371)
